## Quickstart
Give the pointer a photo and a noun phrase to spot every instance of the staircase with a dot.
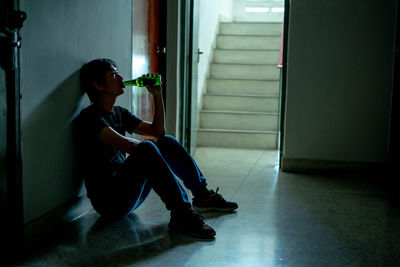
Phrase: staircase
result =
(241, 104)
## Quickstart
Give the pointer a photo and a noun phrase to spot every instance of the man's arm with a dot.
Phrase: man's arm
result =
(112, 138)
(155, 128)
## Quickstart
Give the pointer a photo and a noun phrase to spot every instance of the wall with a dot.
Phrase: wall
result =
(58, 37)
(211, 12)
(239, 13)
(339, 80)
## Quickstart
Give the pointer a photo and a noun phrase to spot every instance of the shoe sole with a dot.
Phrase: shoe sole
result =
(176, 229)
(207, 209)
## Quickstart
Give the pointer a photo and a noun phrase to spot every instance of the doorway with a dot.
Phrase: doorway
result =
(231, 42)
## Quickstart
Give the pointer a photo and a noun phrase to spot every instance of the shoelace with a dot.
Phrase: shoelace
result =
(215, 194)
(198, 216)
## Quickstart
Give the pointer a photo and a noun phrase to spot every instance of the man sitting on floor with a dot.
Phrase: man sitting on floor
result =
(116, 184)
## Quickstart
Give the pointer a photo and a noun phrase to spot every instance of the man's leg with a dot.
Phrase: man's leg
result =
(146, 162)
(181, 163)
(184, 166)
(120, 197)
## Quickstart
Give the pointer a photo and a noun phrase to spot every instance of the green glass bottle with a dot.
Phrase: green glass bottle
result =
(153, 80)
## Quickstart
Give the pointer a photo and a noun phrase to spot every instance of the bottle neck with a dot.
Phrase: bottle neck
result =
(130, 82)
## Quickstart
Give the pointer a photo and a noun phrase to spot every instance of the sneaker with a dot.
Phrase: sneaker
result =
(190, 223)
(213, 202)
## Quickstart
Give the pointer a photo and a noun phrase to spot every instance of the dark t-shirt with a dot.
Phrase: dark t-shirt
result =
(99, 162)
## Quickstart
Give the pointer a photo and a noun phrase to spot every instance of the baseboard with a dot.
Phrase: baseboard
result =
(55, 220)
(329, 166)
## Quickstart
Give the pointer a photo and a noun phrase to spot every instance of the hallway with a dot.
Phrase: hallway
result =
(284, 219)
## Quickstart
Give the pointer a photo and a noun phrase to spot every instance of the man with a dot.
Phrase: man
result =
(117, 185)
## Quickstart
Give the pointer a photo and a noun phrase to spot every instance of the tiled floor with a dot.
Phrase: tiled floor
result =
(284, 219)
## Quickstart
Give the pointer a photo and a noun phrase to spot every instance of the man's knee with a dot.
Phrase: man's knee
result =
(168, 139)
(147, 147)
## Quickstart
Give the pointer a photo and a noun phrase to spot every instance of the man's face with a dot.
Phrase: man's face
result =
(114, 85)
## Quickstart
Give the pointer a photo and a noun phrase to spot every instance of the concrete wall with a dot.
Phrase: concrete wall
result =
(58, 37)
(339, 80)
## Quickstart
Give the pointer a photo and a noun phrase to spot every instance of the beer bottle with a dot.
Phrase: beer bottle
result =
(152, 80)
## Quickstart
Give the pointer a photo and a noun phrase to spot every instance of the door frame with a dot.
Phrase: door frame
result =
(186, 56)
(186, 70)
(283, 81)
(393, 143)
(394, 183)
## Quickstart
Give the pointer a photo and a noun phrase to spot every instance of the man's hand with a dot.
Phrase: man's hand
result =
(154, 90)
(156, 127)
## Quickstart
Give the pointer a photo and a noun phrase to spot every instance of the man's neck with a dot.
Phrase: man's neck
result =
(106, 103)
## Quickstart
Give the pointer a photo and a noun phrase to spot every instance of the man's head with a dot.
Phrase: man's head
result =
(100, 76)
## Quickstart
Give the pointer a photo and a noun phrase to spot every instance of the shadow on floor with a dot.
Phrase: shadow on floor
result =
(95, 241)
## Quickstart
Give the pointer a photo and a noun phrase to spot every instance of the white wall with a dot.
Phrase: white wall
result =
(225, 9)
(211, 12)
(58, 37)
(239, 10)
(339, 80)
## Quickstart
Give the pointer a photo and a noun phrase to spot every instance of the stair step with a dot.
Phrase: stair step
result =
(248, 42)
(243, 28)
(260, 121)
(237, 56)
(241, 71)
(244, 87)
(251, 103)
(237, 139)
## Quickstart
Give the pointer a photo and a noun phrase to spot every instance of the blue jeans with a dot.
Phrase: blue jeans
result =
(151, 166)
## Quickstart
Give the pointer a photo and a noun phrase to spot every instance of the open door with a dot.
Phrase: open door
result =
(148, 50)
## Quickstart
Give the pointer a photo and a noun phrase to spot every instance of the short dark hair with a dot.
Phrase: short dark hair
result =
(95, 72)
